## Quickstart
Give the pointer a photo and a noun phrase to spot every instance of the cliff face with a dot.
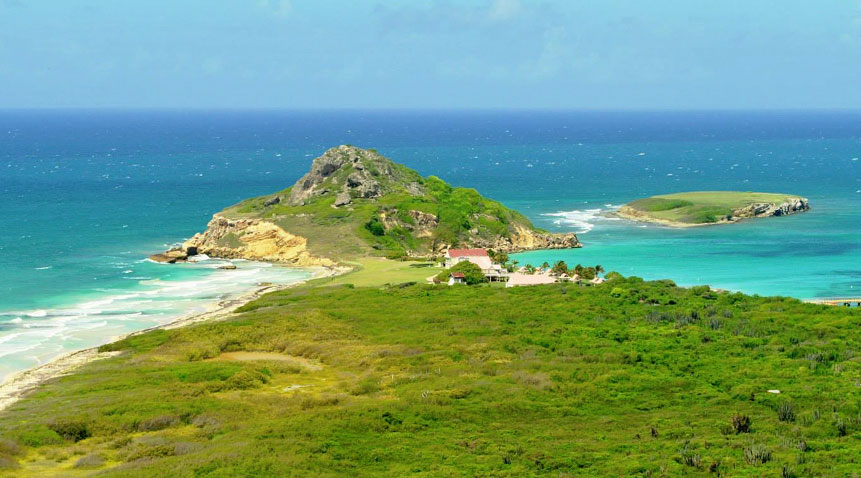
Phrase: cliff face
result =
(252, 239)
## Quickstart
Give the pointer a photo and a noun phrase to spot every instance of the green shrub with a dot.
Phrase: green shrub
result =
(757, 454)
(70, 429)
(472, 273)
(376, 227)
(786, 412)
(92, 460)
(741, 423)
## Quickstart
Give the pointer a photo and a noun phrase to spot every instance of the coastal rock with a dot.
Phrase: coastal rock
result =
(227, 267)
(171, 256)
(253, 239)
(786, 208)
(272, 201)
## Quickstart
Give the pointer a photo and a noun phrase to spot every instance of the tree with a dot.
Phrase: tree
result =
(498, 257)
(559, 268)
(545, 265)
(598, 270)
(471, 273)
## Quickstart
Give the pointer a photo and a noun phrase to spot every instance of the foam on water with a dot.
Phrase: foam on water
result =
(583, 220)
(31, 337)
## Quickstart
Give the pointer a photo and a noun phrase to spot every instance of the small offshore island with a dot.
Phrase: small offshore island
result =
(702, 208)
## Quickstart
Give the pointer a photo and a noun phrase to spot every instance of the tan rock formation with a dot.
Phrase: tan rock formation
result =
(253, 239)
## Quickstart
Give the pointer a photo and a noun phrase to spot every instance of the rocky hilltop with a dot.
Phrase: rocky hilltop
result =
(712, 207)
(354, 202)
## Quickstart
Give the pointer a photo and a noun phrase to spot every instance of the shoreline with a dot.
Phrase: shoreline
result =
(19, 384)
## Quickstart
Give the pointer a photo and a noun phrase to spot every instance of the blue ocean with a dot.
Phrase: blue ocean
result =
(87, 195)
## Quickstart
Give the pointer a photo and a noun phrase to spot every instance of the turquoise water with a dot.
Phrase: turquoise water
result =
(85, 196)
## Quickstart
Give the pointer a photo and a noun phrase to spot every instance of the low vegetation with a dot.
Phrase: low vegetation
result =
(413, 379)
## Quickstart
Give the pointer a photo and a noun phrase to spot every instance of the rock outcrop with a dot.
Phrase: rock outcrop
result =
(253, 239)
(791, 206)
(523, 239)
(352, 173)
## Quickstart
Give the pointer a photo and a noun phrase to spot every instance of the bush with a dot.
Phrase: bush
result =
(9, 447)
(690, 458)
(37, 436)
(375, 226)
(472, 273)
(73, 430)
(90, 461)
(786, 412)
(757, 455)
(158, 423)
(741, 423)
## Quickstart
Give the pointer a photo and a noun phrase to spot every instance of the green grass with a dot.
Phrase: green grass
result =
(629, 378)
(376, 272)
(702, 207)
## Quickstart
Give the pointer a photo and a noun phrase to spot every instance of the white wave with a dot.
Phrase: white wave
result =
(42, 268)
(36, 313)
(577, 218)
(583, 219)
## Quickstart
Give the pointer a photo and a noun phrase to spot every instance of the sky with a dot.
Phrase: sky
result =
(567, 54)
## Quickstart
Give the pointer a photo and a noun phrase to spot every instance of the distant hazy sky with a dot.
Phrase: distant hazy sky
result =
(614, 54)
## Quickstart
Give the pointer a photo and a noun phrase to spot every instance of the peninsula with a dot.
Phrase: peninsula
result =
(355, 203)
(702, 208)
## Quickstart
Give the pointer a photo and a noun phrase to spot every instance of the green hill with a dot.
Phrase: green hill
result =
(711, 207)
(628, 378)
(355, 202)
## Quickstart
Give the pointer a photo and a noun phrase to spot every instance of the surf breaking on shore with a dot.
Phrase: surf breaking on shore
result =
(18, 384)
(30, 338)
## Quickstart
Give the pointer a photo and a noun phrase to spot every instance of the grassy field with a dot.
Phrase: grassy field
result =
(624, 379)
(376, 272)
(701, 207)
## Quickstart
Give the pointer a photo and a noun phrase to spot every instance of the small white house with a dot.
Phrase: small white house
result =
(456, 278)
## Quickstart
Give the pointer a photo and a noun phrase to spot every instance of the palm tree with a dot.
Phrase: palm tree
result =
(545, 265)
(598, 270)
